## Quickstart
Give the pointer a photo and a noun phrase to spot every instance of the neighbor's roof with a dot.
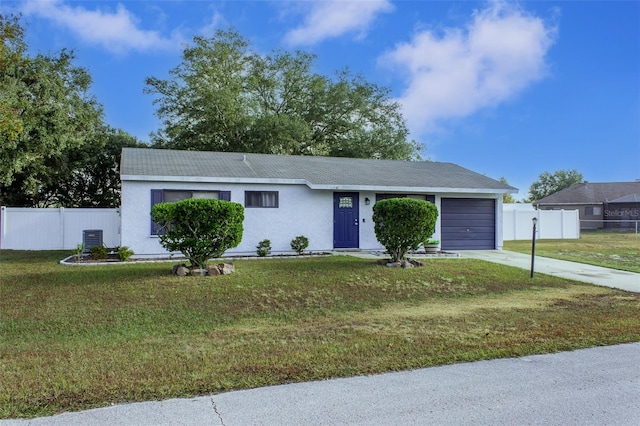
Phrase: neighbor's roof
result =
(633, 198)
(592, 193)
(316, 172)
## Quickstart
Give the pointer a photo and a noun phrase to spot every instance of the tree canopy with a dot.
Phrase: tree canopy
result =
(55, 148)
(548, 183)
(506, 197)
(90, 174)
(225, 97)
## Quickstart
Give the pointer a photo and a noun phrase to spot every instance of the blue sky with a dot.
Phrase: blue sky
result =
(507, 89)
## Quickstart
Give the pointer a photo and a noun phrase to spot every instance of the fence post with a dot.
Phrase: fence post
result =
(62, 224)
(3, 223)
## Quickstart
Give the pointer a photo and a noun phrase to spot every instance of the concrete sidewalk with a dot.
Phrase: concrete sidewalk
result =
(623, 280)
(586, 387)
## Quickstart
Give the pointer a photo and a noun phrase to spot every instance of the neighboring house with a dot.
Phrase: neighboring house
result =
(600, 205)
(328, 200)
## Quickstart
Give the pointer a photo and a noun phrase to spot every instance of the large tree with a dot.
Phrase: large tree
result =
(55, 148)
(548, 183)
(90, 175)
(12, 59)
(225, 97)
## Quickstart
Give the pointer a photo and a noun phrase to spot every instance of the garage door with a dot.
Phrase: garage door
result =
(468, 224)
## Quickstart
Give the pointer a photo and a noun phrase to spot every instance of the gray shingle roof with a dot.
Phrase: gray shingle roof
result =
(633, 198)
(316, 172)
(591, 193)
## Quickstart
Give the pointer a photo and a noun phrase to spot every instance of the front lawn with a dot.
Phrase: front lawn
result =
(615, 250)
(73, 338)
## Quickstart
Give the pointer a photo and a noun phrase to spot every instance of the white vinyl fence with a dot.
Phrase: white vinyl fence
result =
(62, 228)
(23, 228)
(517, 224)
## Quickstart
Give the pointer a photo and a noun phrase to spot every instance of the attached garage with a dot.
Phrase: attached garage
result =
(468, 224)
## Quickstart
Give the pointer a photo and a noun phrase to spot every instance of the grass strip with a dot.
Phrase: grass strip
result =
(614, 250)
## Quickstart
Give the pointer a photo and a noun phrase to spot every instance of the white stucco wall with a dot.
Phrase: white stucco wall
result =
(301, 211)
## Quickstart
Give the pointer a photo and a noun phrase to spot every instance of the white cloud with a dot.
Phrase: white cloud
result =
(216, 21)
(459, 71)
(117, 31)
(333, 18)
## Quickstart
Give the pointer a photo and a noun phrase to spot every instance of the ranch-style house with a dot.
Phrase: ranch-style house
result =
(328, 200)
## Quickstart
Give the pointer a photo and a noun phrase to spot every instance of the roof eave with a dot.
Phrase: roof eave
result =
(419, 189)
(567, 204)
(331, 187)
(208, 179)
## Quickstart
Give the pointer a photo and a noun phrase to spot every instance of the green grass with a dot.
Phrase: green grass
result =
(73, 338)
(609, 249)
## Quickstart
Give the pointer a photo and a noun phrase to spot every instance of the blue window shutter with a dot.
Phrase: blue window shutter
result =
(156, 197)
(225, 195)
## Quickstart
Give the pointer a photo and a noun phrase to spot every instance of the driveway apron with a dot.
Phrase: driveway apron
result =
(613, 278)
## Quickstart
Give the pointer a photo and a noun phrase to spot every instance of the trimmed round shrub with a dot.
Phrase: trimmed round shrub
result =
(299, 244)
(201, 229)
(402, 224)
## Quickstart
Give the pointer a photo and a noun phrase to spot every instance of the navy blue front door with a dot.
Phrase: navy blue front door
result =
(345, 220)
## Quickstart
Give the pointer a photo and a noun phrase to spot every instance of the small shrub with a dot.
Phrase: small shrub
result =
(299, 243)
(264, 248)
(98, 252)
(124, 253)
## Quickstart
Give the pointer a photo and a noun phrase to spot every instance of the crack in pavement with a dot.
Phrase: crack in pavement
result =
(215, 409)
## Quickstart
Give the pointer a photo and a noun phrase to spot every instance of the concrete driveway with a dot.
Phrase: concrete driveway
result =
(623, 280)
(599, 386)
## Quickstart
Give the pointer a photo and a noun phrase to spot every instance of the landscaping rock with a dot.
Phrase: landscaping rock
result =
(226, 268)
(213, 271)
(198, 272)
(181, 271)
(407, 264)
